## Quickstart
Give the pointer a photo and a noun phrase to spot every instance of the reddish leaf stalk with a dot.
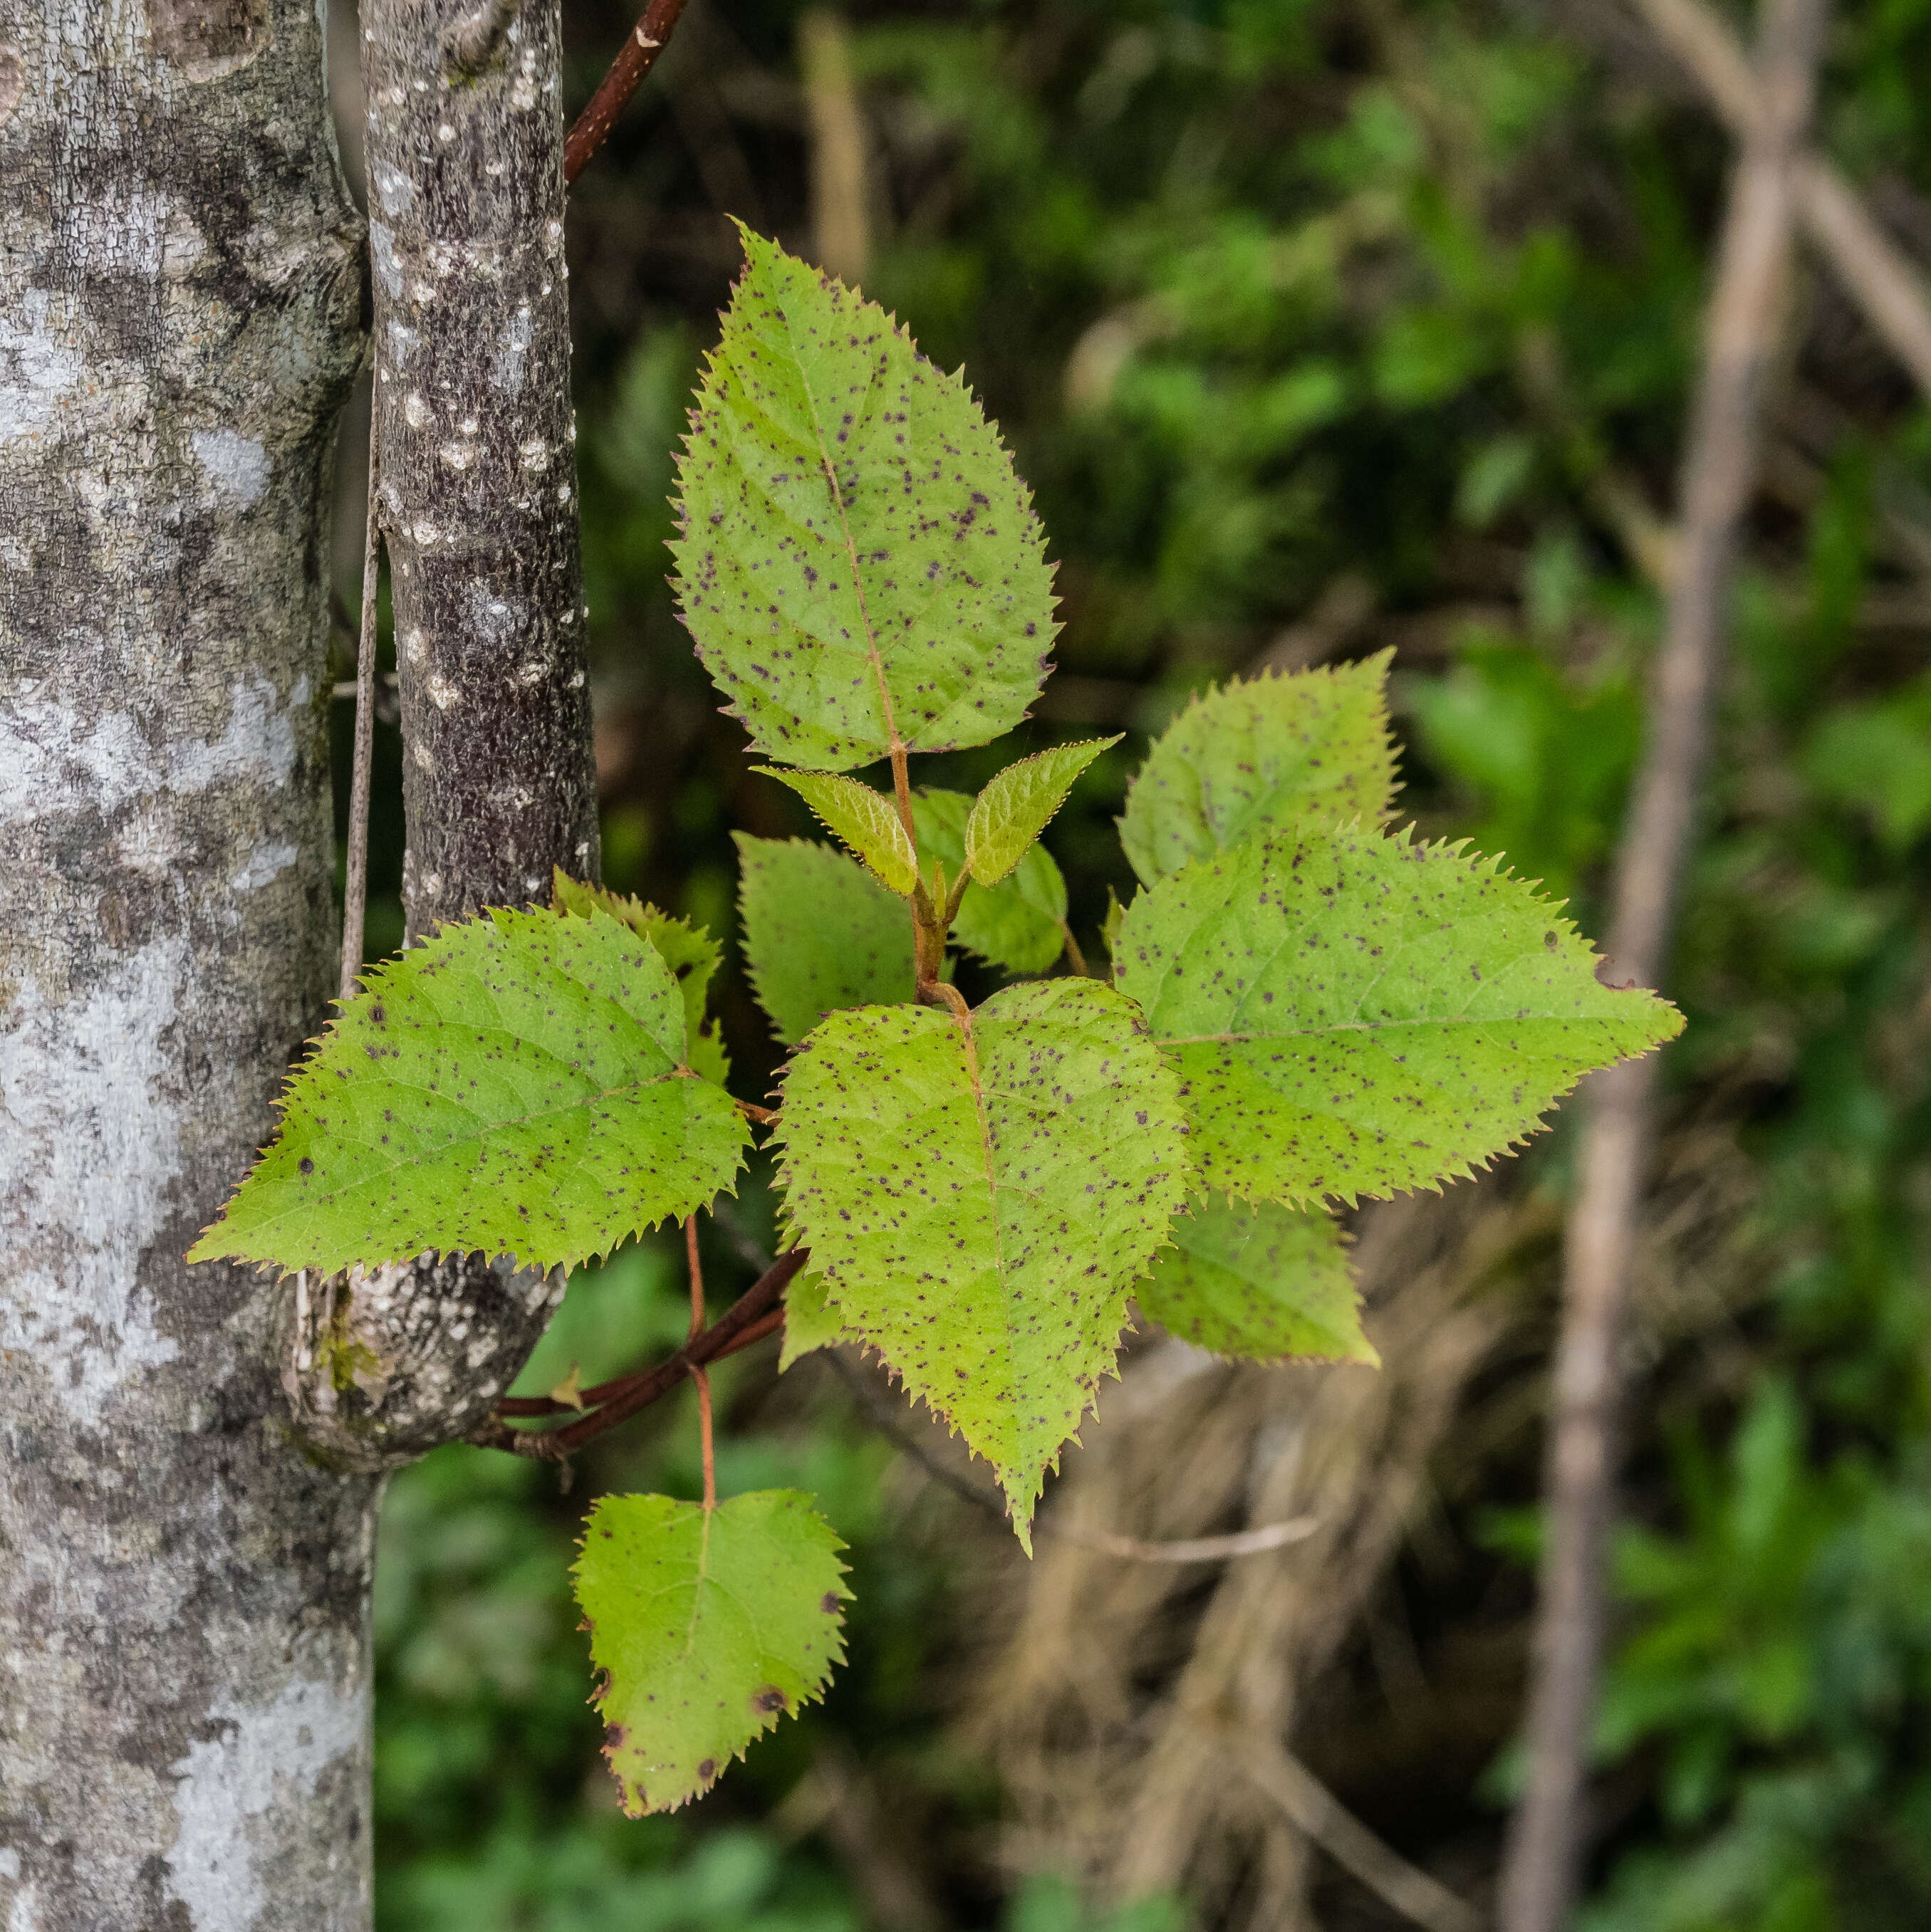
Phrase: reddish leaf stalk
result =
(591, 128)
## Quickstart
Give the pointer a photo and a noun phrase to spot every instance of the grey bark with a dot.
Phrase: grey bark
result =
(1542, 1871)
(184, 1671)
(477, 500)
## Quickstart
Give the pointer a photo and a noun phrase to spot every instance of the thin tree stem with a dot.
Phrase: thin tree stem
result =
(355, 879)
(591, 128)
(1542, 1871)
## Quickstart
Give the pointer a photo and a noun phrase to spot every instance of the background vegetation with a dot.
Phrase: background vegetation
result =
(1320, 327)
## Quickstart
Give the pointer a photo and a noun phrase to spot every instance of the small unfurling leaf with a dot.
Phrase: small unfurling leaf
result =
(868, 824)
(1018, 805)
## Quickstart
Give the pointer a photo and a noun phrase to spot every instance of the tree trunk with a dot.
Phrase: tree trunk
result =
(184, 1706)
(476, 443)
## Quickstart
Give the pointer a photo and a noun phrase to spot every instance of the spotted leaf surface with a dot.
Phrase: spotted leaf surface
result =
(1266, 1282)
(869, 825)
(691, 953)
(1256, 755)
(813, 1320)
(856, 553)
(980, 1199)
(708, 1627)
(1018, 805)
(820, 933)
(1353, 1014)
(1017, 923)
(516, 1085)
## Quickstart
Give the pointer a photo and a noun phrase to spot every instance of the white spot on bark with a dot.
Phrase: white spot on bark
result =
(394, 189)
(382, 255)
(535, 454)
(413, 645)
(90, 1149)
(265, 862)
(263, 1757)
(505, 365)
(43, 741)
(442, 692)
(237, 465)
(402, 341)
(415, 410)
(458, 455)
(38, 369)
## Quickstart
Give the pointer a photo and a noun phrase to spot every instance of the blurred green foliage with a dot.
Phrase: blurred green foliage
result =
(1317, 327)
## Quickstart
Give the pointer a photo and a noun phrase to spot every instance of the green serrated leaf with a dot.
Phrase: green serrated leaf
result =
(689, 951)
(708, 1626)
(867, 823)
(980, 1200)
(1009, 815)
(1354, 1014)
(856, 553)
(819, 933)
(813, 1320)
(1019, 923)
(1257, 754)
(1266, 1282)
(513, 1084)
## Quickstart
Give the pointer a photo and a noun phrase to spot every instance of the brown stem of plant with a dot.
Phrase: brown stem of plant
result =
(591, 128)
(355, 876)
(1542, 1868)
(749, 1318)
(698, 1375)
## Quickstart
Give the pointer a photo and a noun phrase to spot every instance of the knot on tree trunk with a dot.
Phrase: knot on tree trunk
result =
(380, 1366)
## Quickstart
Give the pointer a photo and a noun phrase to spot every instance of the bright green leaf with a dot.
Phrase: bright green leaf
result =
(708, 1627)
(819, 933)
(1254, 757)
(813, 1320)
(512, 1085)
(1268, 1283)
(1354, 1014)
(1017, 924)
(869, 824)
(689, 950)
(857, 554)
(1018, 805)
(980, 1200)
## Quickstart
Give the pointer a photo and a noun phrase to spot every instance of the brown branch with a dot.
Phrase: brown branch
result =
(1313, 1810)
(1722, 458)
(639, 56)
(1878, 274)
(749, 1318)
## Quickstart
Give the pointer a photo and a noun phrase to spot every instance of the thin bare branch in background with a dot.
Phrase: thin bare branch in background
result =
(355, 876)
(883, 1417)
(1315, 1810)
(1874, 270)
(841, 206)
(1720, 463)
(592, 127)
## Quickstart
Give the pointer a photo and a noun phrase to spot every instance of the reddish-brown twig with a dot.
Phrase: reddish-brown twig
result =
(749, 1318)
(698, 1375)
(646, 41)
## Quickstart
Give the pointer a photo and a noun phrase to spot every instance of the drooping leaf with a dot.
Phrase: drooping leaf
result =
(857, 554)
(981, 1199)
(869, 825)
(1009, 815)
(1017, 924)
(813, 1320)
(1257, 754)
(1353, 1014)
(1109, 927)
(1267, 1283)
(513, 1084)
(820, 933)
(708, 1627)
(691, 953)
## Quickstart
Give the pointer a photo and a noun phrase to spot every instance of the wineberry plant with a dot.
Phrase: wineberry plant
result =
(1301, 1006)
